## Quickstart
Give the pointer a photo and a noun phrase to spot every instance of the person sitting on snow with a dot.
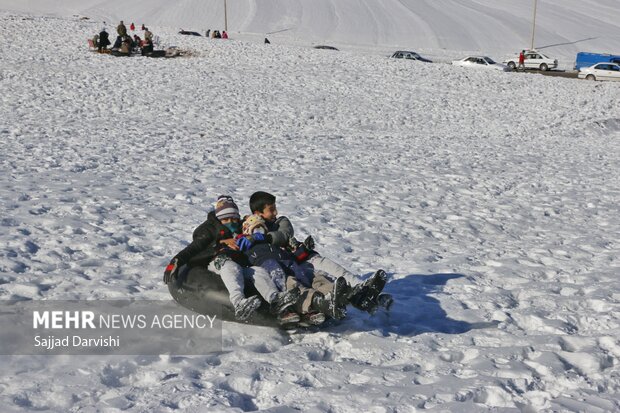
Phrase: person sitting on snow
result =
(148, 35)
(214, 247)
(126, 46)
(364, 295)
(320, 297)
(137, 42)
(147, 47)
(117, 43)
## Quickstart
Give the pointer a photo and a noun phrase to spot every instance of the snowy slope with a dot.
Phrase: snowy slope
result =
(490, 198)
(496, 27)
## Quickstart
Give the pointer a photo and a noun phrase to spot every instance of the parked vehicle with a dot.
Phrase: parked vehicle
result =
(325, 47)
(600, 71)
(483, 62)
(585, 59)
(401, 54)
(188, 33)
(533, 60)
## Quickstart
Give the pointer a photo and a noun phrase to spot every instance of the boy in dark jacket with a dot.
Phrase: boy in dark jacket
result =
(365, 295)
(214, 247)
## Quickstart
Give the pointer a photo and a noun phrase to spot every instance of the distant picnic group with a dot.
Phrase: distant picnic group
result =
(124, 43)
(215, 34)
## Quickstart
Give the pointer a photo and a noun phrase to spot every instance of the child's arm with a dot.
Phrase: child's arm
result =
(282, 233)
(203, 238)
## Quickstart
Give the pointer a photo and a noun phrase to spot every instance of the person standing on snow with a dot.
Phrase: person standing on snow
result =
(121, 29)
(132, 27)
(104, 40)
(521, 60)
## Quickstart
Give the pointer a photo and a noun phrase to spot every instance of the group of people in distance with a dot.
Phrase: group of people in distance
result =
(215, 34)
(124, 44)
(301, 286)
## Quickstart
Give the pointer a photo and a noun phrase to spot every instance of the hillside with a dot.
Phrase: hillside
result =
(493, 27)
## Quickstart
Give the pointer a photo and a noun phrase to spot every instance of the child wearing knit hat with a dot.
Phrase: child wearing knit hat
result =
(214, 247)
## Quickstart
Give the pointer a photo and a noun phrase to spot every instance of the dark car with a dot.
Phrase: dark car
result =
(325, 47)
(401, 54)
(185, 32)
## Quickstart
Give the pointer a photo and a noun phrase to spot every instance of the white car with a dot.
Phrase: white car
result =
(483, 62)
(600, 71)
(533, 60)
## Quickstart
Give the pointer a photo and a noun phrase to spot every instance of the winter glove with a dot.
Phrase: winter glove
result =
(302, 253)
(172, 271)
(243, 243)
(309, 243)
(258, 236)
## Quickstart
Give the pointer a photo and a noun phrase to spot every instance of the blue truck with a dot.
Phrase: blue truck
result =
(585, 59)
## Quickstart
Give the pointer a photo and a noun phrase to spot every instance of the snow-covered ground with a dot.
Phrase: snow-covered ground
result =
(490, 198)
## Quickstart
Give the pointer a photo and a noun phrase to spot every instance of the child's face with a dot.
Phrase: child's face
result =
(229, 220)
(270, 213)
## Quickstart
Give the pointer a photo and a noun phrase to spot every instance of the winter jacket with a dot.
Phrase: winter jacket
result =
(206, 245)
(121, 30)
(104, 41)
(262, 251)
(273, 259)
(280, 231)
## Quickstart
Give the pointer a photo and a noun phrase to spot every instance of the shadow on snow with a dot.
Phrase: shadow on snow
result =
(415, 310)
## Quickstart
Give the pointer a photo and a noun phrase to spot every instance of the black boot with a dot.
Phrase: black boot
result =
(285, 300)
(364, 296)
(334, 304)
(246, 307)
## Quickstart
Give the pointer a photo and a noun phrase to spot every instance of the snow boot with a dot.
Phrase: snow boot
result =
(334, 304)
(312, 319)
(246, 307)
(288, 319)
(364, 296)
(284, 299)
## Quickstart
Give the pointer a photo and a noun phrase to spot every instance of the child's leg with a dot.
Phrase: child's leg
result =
(232, 276)
(271, 282)
(321, 283)
(304, 303)
(332, 269)
(275, 273)
(262, 281)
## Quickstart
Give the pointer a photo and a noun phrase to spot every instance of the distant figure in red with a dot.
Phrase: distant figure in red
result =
(522, 60)
(224, 34)
(132, 27)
